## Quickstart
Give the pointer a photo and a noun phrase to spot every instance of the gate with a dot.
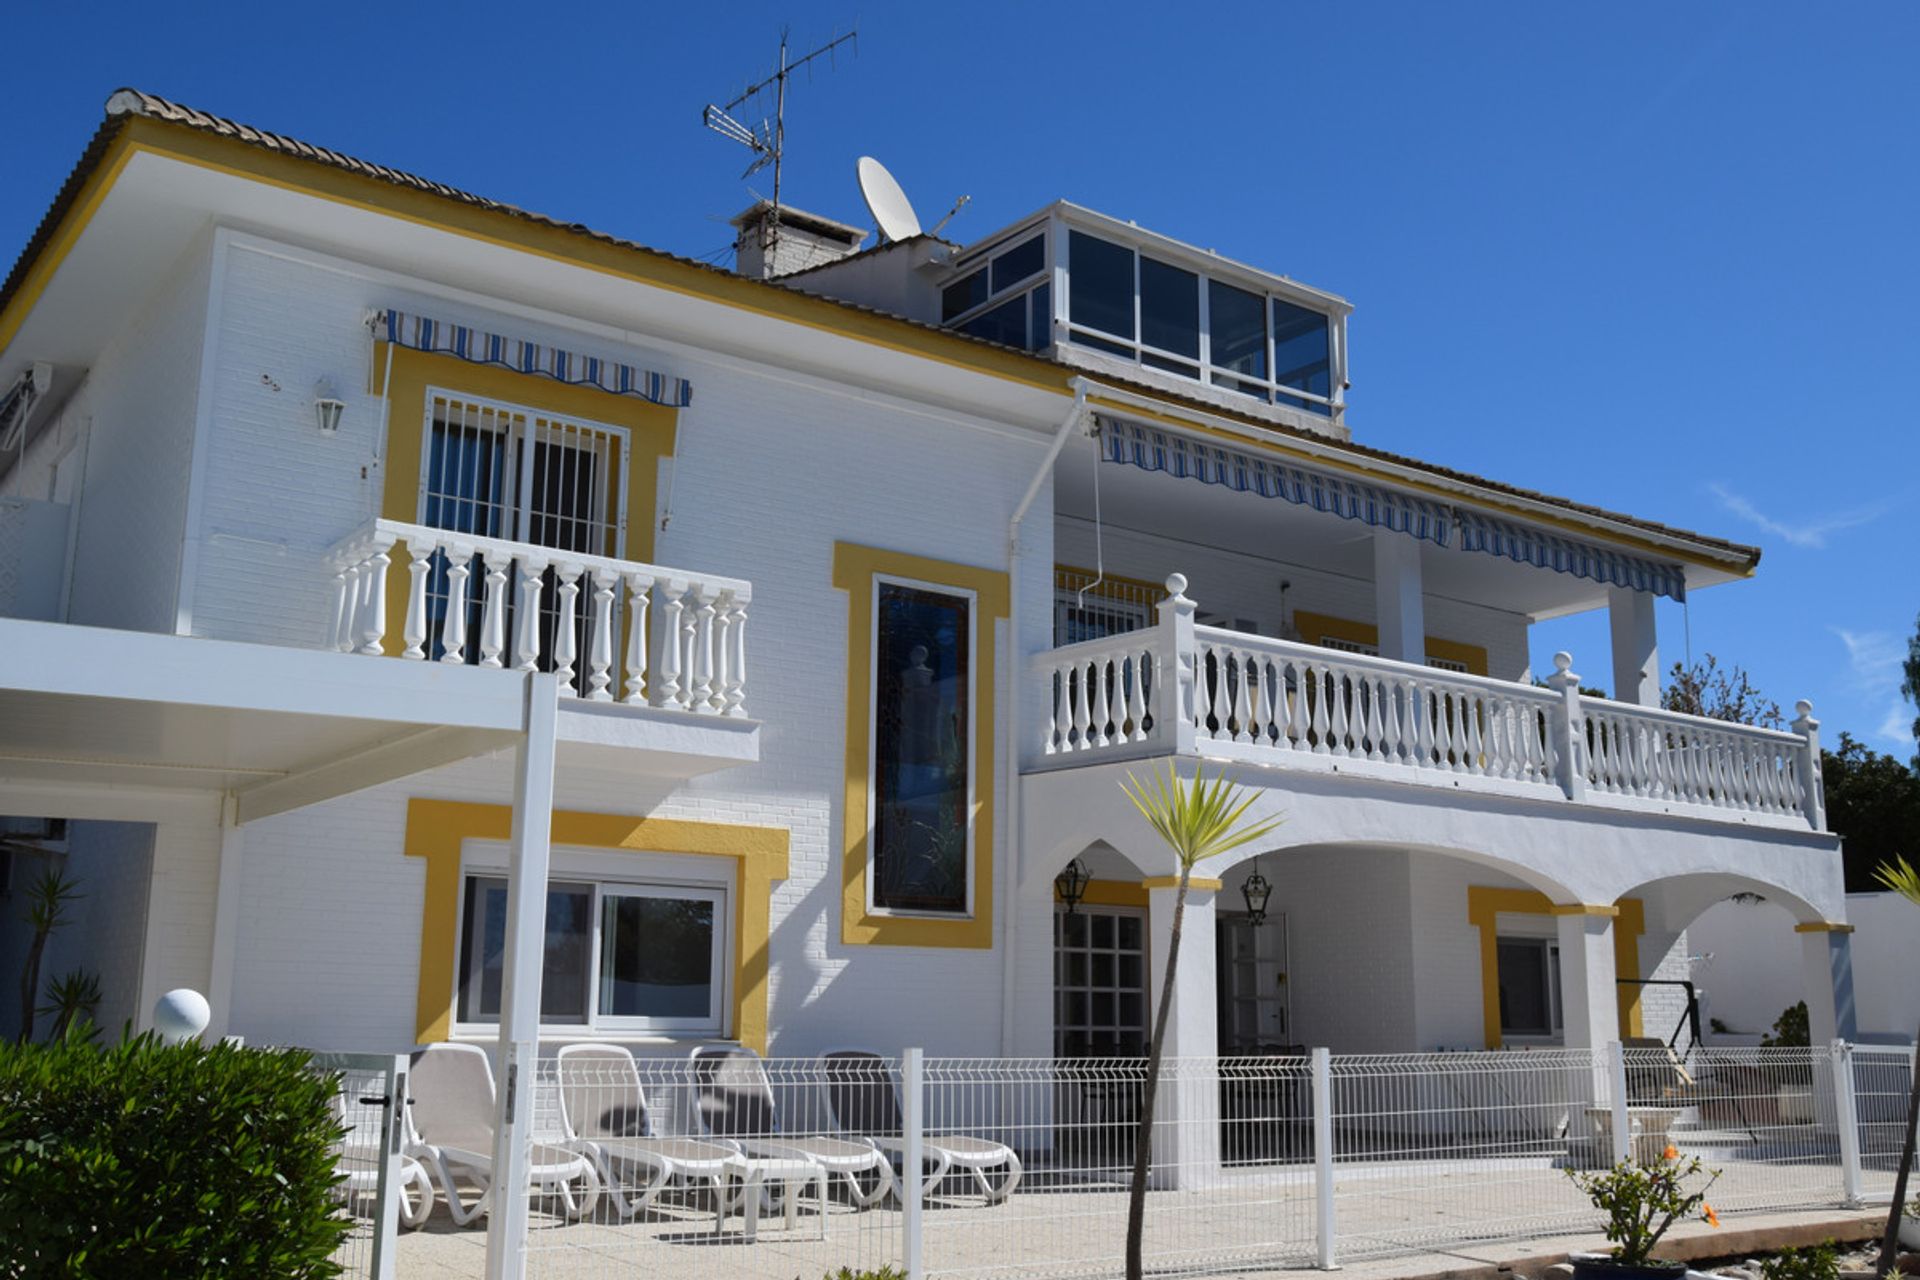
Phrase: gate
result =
(371, 1093)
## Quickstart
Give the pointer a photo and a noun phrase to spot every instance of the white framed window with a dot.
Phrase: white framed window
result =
(921, 773)
(1099, 981)
(1373, 651)
(620, 955)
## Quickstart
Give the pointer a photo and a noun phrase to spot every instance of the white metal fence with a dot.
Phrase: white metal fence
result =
(725, 1164)
(369, 1158)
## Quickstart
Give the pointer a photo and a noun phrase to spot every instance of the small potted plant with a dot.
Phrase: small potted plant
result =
(1910, 1227)
(1641, 1202)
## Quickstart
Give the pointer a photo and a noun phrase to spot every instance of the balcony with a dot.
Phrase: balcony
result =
(1175, 688)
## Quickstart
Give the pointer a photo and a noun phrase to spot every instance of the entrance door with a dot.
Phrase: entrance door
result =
(1255, 1014)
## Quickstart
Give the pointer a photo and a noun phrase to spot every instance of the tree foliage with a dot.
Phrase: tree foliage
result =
(1873, 802)
(1910, 686)
(1705, 689)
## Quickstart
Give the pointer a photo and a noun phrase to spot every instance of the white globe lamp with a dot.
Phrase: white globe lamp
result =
(181, 1015)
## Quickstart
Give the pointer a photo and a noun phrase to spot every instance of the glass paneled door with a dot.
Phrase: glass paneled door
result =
(1255, 1014)
(502, 471)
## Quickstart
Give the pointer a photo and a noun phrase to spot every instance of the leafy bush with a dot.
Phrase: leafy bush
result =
(1790, 1030)
(141, 1159)
(1815, 1262)
(884, 1273)
(1642, 1201)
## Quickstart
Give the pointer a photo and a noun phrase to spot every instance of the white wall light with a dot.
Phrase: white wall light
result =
(327, 407)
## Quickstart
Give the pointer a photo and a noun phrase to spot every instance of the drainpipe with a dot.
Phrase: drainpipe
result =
(1010, 744)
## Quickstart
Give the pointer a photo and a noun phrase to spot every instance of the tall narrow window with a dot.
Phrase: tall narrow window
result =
(1170, 315)
(922, 785)
(1301, 354)
(1102, 291)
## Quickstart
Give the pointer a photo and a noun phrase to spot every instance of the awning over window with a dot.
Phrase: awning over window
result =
(423, 333)
(1186, 457)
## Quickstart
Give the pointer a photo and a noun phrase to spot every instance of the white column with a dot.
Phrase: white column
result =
(519, 1045)
(1398, 598)
(1589, 996)
(1186, 1144)
(1827, 954)
(1178, 676)
(1636, 652)
(226, 921)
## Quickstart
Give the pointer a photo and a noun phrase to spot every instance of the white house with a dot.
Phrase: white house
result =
(347, 519)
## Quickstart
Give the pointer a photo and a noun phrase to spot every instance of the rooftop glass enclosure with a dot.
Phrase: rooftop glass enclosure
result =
(1070, 276)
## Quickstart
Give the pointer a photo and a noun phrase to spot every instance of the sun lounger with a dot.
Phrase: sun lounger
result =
(733, 1101)
(604, 1112)
(865, 1104)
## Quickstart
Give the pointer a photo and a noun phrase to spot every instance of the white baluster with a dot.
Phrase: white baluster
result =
(1136, 696)
(639, 596)
(670, 650)
(566, 636)
(453, 628)
(419, 564)
(734, 688)
(702, 637)
(1055, 679)
(600, 644)
(493, 619)
(1297, 704)
(526, 644)
(1342, 710)
(1319, 689)
(1082, 696)
(1241, 704)
(346, 581)
(1102, 700)
(373, 614)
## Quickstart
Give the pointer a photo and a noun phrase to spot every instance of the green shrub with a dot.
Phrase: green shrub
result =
(884, 1273)
(141, 1160)
(1789, 1029)
(1815, 1262)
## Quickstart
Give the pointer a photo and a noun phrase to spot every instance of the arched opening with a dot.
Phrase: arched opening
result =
(1102, 958)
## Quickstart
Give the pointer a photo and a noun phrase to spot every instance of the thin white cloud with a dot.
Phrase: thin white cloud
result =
(1812, 534)
(1874, 661)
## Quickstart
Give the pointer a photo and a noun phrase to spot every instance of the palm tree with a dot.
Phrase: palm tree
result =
(1901, 877)
(1198, 820)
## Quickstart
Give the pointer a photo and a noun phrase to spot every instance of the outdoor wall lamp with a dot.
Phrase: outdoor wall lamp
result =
(1071, 884)
(327, 408)
(1256, 890)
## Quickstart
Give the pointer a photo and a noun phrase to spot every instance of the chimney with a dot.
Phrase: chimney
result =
(763, 249)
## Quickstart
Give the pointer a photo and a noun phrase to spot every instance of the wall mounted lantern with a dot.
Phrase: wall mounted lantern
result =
(1071, 884)
(1256, 890)
(327, 408)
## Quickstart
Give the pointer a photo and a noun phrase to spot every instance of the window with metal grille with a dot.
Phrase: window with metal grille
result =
(517, 474)
(1100, 982)
(1373, 651)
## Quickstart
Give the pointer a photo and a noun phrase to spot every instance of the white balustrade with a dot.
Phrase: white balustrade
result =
(494, 603)
(1254, 698)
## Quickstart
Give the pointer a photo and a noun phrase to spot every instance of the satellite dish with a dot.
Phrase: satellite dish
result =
(886, 201)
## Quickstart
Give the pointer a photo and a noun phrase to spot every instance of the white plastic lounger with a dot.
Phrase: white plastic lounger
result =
(450, 1116)
(359, 1155)
(733, 1101)
(865, 1103)
(604, 1112)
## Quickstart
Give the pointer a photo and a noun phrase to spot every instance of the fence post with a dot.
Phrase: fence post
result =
(1846, 1115)
(1323, 1156)
(386, 1226)
(1617, 1091)
(913, 1186)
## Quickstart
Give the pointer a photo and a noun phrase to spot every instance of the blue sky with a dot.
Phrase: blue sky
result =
(1657, 257)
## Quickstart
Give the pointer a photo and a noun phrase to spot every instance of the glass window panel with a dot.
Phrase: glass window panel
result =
(656, 957)
(563, 993)
(1005, 323)
(1105, 1009)
(1040, 328)
(1102, 970)
(1102, 276)
(922, 732)
(1169, 308)
(963, 295)
(1180, 367)
(1017, 263)
(1523, 987)
(1130, 931)
(1101, 344)
(1103, 931)
(1301, 356)
(1237, 323)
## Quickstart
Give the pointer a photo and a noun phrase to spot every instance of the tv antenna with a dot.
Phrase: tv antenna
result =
(768, 139)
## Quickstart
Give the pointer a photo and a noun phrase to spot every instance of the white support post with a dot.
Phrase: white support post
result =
(1325, 1224)
(1636, 650)
(1617, 1096)
(1398, 597)
(1589, 995)
(1847, 1117)
(226, 917)
(913, 1183)
(1186, 1144)
(1569, 729)
(1826, 952)
(386, 1225)
(528, 855)
(1177, 674)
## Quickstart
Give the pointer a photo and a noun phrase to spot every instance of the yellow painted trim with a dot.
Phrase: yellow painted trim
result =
(1173, 882)
(436, 830)
(1823, 926)
(1484, 906)
(558, 244)
(650, 429)
(854, 568)
(1110, 893)
(1317, 627)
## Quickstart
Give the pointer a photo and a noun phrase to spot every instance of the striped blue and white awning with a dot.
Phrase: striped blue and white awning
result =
(465, 342)
(1187, 457)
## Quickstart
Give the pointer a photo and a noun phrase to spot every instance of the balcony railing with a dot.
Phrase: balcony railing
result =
(642, 635)
(1178, 688)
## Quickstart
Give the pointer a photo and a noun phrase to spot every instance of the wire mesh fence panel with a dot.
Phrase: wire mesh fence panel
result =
(1029, 1164)
(1766, 1119)
(1437, 1148)
(366, 1157)
(1882, 1081)
(722, 1165)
